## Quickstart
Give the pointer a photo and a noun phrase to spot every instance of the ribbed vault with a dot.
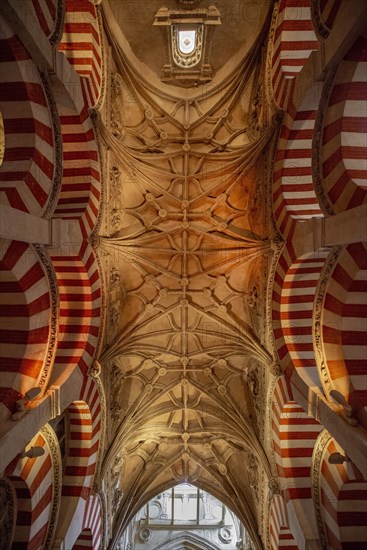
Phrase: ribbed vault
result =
(185, 248)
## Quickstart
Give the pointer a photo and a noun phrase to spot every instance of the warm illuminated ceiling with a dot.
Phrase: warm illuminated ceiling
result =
(185, 246)
(241, 22)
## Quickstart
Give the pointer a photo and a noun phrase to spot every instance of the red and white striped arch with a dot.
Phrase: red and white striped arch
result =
(27, 172)
(81, 462)
(296, 313)
(81, 182)
(294, 436)
(281, 536)
(294, 196)
(91, 537)
(343, 492)
(284, 262)
(80, 310)
(294, 40)
(85, 436)
(46, 14)
(344, 142)
(344, 327)
(32, 479)
(81, 44)
(24, 321)
(294, 289)
(85, 540)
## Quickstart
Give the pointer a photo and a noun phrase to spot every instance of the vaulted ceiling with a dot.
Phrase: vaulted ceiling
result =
(185, 245)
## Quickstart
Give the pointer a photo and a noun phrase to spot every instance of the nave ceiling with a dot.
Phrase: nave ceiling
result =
(186, 243)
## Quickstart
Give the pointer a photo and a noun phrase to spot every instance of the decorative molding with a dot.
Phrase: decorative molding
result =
(187, 69)
(94, 372)
(103, 87)
(268, 425)
(116, 123)
(278, 246)
(253, 474)
(53, 445)
(274, 486)
(320, 444)
(319, 26)
(317, 317)
(57, 31)
(54, 193)
(8, 516)
(317, 143)
(54, 315)
(262, 506)
(269, 91)
(104, 520)
(94, 242)
(102, 198)
(115, 210)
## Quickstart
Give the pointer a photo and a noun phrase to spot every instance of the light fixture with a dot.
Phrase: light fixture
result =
(187, 35)
(338, 458)
(21, 404)
(347, 409)
(33, 452)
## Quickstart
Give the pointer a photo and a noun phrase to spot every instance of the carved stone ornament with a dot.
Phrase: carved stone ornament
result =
(318, 452)
(103, 85)
(274, 486)
(115, 278)
(53, 445)
(7, 513)
(253, 381)
(275, 369)
(94, 240)
(269, 89)
(116, 381)
(320, 294)
(95, 370)
(53, 323)
(321, 29)
(115, 182)
(145, 534)
(225, 535)
(117, 497)
(253, 474)
(116, 121)
(57, 31)
(115, 411)
(187, 35)
(115, 311)
(253, 298)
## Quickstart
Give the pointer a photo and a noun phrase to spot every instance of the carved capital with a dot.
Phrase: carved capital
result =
(274, 486)
(95, 370)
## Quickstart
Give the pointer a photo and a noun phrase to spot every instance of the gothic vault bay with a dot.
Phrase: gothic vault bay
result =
(183, 271)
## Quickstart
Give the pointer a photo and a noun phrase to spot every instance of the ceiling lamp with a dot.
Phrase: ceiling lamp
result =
(187, 34)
